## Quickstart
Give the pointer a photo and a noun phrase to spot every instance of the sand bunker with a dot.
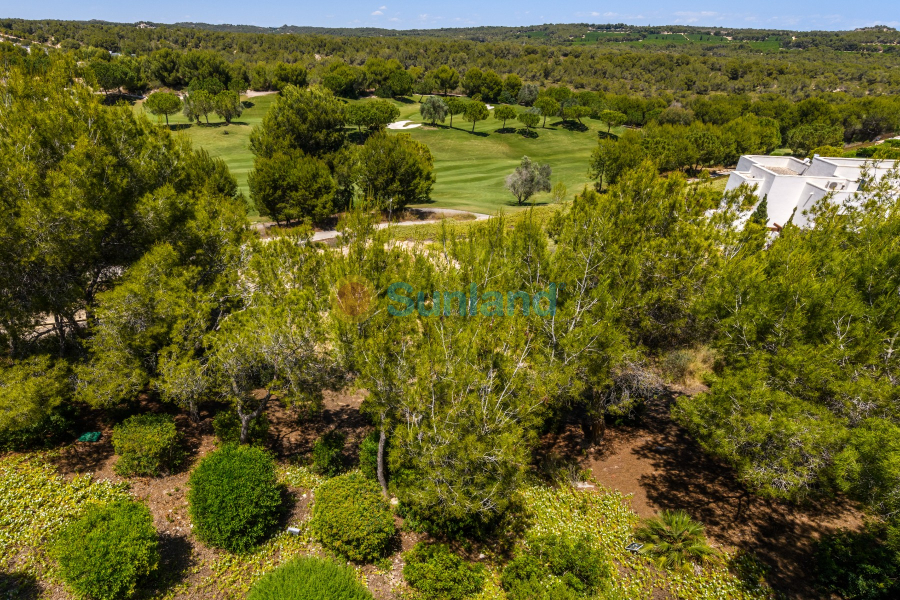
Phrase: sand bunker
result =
(403, 125)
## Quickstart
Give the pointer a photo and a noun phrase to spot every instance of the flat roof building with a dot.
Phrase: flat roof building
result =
(792, 186)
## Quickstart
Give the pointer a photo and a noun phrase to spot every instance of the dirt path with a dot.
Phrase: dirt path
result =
(439, 214)
(663, 468)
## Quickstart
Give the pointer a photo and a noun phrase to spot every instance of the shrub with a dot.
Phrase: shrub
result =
(49, 430)
(677, 364)
(525, 578)
(556, 568)
(438, 574)
(674, 540)
(309, 579)
(856, 566)
(368, 456)
(436, 523)
(107, 552)
(234, 498)
(326, 453)
(35, 393)
(687, 365)
(146, 445)
(352, 518)
(227, 427)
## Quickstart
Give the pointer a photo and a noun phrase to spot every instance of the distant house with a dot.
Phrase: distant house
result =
(792, 186)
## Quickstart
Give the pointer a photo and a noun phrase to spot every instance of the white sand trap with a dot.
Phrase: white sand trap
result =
(403, 125)
(254, 94)
(489, 107)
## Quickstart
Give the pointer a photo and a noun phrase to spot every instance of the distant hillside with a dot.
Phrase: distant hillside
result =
(553, 34)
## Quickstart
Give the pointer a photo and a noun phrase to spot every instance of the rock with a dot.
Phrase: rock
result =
(584, 485)
(394, 501)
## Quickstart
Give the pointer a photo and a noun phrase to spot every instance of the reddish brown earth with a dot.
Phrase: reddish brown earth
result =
(653, 460)
(290, 438)
(662, 468)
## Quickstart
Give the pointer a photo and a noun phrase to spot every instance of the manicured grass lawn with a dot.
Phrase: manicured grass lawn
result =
(231, 143)
(470, 168)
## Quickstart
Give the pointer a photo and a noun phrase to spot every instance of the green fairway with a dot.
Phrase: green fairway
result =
(231, 143)
(470, 168)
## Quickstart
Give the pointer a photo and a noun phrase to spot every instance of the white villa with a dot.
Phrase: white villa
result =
(793, 186)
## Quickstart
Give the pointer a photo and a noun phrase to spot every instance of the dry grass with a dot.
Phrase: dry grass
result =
(687, 366)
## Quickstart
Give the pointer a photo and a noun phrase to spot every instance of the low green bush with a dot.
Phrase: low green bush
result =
(677, 364)
(327, 458)
(106, 553)
(437, 523)
(555, 567)
(35, 401)
(526, 578)
(437, 573)
(368, 455)
(147, 445)
(227, 427)
(49, 430)
(234, 498)
(352, 518)
(674, 540)
(309, 578)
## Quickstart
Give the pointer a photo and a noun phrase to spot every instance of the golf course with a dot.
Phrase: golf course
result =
(470, 167)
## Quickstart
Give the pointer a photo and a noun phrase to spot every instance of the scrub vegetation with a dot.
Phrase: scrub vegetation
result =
(191, 407)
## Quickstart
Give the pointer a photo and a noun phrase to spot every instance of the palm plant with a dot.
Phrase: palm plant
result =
(674, 540)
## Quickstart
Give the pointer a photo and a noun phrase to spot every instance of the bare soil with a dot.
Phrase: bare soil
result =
(653, 460)
(184, 558)
(662, 468)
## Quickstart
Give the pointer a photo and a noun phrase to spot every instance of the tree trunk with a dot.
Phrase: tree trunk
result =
(13, 338)
(60, 334)
(194, 411)
(247, 417)
(245, 425)
(167, 119)
(594, 428)
(382, 439)
(473, 126)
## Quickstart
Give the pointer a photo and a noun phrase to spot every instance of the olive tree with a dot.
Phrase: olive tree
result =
(528, 179)
(434, 109)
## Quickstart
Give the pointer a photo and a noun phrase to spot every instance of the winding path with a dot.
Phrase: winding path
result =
(320, 236)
